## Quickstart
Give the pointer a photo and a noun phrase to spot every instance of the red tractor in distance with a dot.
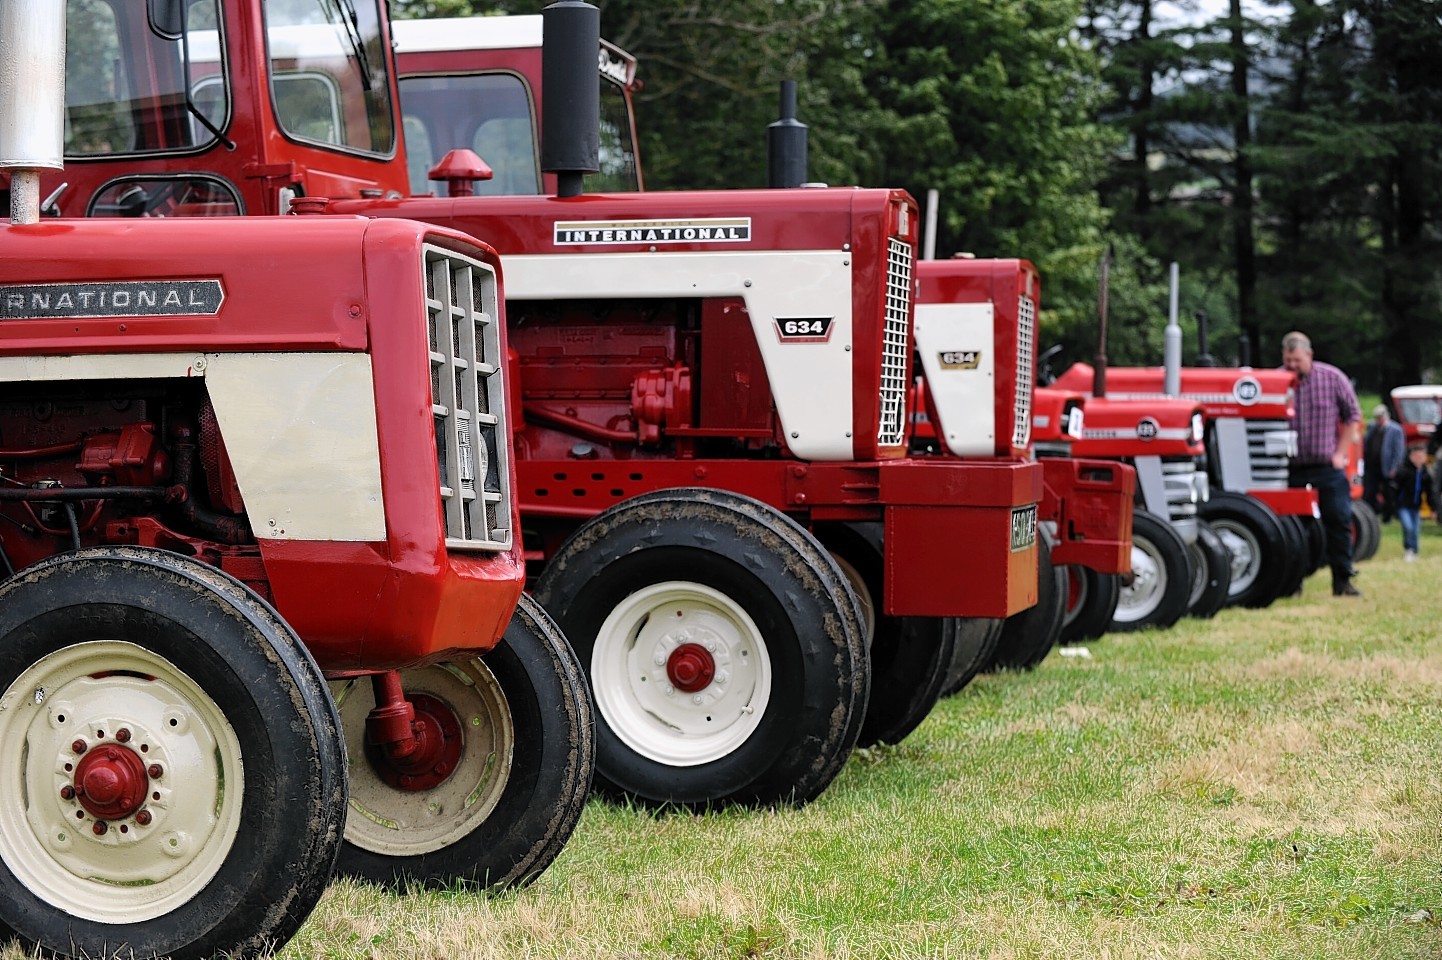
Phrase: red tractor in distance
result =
(261, 615)
(969, 312)
(712, 386)
(1271, 531)
(1178, 563)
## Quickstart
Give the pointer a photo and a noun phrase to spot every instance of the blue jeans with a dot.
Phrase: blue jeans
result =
(1334, 499)
(1411, 520)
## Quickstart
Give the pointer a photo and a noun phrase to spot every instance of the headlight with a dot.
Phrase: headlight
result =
(1198, 425)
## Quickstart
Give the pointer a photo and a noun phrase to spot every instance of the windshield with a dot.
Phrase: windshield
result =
(130, 77)
(1417, 410)
(491, 114)
(328, 73)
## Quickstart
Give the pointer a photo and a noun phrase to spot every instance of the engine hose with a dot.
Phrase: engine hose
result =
(181, 497)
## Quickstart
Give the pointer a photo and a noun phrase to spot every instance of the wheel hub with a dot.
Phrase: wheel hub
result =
(438, 747)
(690, 667)
(111, 782)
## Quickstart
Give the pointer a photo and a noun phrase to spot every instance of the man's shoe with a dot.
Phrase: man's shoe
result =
(1344, 588)
(1410, 556)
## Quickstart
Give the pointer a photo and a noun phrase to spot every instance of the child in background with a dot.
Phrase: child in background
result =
(1414, 487)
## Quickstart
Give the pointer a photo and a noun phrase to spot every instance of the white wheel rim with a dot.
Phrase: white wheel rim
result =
(1245, 551)
(863, 596)
(393, 821)
(103, 693)
(635, 695)
(1140, 598)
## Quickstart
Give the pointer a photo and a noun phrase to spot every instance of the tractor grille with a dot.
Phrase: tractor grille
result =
(1025, 364)
(1185, 487)
(1270, 443)
(468, 400)
(895, 345)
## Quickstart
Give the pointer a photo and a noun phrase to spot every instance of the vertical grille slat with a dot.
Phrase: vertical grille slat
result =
(895, 344)
(468, 400)
(1025, 367)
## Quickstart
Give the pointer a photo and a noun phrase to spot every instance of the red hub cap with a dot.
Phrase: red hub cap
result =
(110, 782)
(690, 667)
(437, 730)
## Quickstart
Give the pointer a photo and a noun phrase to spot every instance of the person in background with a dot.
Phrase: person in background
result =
(1383, 449)
(1414, 488)
(1326, 421)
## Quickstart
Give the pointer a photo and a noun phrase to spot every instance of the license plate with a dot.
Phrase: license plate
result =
(1023, 528)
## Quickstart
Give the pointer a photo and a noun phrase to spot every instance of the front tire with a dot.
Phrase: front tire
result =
(499, 817)
(910, 656)
(1252, 534)
(1092, 599)
(723, 644)
(177, 778)
(1366, 531)
(1212, 574)
(1027, 637)
(1161, 576)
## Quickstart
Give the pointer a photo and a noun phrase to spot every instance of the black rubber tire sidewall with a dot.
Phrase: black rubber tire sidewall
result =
(973, 645)
(270, 692)
(1218, 566)
(910, 656)
(551, 767)
(1027, 637)
(1266, 529)
(763, 562)
(1099, 594)
(1176, 565)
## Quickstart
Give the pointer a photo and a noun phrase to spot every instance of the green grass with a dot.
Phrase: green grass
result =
(1267, 784)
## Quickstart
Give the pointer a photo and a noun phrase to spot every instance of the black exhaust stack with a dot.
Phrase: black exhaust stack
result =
(571, 93)
(786, 144)
(1204, 355)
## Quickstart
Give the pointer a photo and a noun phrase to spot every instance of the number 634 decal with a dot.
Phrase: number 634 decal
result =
(803, 329)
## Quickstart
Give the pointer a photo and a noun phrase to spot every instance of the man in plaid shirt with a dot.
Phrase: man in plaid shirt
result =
(1326, 422)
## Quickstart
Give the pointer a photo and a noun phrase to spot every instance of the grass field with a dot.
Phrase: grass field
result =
(1266, 784)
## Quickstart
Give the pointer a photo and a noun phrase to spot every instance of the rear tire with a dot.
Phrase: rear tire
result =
(666, 573)
(910, 656)
(1092, 599)
(217, 725)
(1252, 534)
(523, 712)
(1212, 574)
(1161, 576)
(1027, 637)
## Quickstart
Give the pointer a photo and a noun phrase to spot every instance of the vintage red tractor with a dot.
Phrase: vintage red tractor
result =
(262, 542)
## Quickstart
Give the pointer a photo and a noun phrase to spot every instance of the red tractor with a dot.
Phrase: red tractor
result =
(263, 614)
(1178, 563)
(969, 313)
(1270, 530)
(713, 389)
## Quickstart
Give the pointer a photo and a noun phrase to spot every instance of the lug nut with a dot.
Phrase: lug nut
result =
(67, 792)
(441, 769)
(155, 770)
(99, 828)
(79, 746)
(122, 735)
(143, 817)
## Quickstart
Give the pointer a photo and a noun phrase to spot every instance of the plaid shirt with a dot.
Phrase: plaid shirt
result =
(1324, 401)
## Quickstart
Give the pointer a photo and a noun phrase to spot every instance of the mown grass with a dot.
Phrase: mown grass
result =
(1265, 785)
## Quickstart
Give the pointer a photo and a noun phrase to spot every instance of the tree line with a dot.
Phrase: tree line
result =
(1287, 155)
